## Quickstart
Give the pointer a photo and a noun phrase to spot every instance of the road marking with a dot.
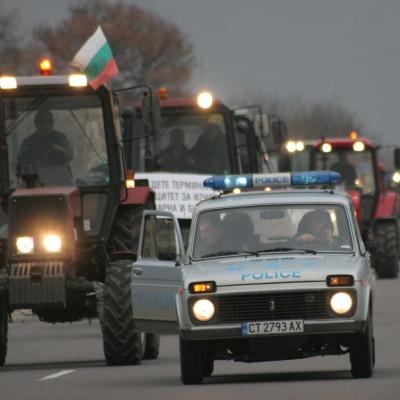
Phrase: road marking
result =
(57, 375)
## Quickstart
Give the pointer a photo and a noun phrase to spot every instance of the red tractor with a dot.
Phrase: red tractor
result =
(377, 208)
(69, 223)
(199, 137)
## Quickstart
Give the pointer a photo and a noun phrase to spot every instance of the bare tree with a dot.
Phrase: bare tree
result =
(148, 49)
(11, 52)
(308, 120)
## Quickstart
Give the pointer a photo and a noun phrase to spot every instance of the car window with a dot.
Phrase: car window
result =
(320, 228)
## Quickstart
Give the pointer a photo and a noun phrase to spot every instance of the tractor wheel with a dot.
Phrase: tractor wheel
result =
(3, 327)
(123, 344)
(386, 255)
(125, 237)
(125, 231)
(362, 352)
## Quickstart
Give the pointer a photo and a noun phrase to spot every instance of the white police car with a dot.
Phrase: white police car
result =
(267, 275)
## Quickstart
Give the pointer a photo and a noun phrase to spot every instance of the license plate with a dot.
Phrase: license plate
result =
(272, 327)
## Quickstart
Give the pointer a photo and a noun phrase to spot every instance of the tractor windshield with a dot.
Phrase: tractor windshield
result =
(187, 143)
(356, 168)
(55, 140)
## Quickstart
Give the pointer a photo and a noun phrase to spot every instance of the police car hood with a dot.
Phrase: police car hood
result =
(272, 269)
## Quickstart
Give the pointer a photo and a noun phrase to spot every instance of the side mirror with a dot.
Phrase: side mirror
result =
(243, 125)
(279, 131)
(151, 113)
(397, 158)
(128, 117)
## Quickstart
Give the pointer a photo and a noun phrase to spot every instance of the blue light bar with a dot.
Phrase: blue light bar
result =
(286, 179)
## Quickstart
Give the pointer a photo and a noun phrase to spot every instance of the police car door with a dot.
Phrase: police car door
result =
(157, 274)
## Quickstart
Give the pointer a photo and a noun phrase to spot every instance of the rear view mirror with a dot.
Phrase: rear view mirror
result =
(272, 214)
(397, 158)
(151, 113)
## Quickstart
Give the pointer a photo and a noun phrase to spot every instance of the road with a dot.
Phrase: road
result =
(65, 361)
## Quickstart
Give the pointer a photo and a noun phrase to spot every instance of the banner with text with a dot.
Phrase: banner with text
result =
(177, 193)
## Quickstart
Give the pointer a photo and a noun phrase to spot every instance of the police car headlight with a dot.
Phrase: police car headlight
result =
(25, 245)
(203, 310)
(52, 243)
(341, 303)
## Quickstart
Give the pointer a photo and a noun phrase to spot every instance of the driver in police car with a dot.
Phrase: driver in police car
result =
(210, 235)
(315, 226)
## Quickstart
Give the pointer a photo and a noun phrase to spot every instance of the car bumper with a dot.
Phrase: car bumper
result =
(234, 331)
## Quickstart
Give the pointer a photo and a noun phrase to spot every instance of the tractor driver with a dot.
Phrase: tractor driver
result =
(45, 147)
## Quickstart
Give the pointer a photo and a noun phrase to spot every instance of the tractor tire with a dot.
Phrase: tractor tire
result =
(123, 344)
(191, 359)
(3, 327)
(124, 236)
(386, 255)
(125, 231)
(362, 352)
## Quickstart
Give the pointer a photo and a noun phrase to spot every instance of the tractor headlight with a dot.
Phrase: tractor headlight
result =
(52, 243)
(341, 303)
(203, 310)
(25, 245)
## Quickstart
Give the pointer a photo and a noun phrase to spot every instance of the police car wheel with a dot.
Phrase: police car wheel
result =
(191, 362)
(152, 346)
(3, 328)
(362, 352)
(122, 343)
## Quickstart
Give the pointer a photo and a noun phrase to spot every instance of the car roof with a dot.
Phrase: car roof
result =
(275, 197)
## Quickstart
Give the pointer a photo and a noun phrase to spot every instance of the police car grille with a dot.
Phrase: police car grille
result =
(262, 306)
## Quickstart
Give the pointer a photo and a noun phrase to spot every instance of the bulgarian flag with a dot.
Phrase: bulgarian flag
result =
(95, 60)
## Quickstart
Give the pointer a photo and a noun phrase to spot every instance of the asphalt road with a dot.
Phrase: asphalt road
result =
(65, 361)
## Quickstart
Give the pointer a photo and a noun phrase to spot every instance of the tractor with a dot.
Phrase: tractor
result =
(377, 208)
(199, 136)
(69, 221)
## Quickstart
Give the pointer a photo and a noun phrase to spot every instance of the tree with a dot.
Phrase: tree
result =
(11, 52)
(311, 120)
(147, 48)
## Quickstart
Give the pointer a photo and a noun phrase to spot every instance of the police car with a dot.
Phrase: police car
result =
(267, 275)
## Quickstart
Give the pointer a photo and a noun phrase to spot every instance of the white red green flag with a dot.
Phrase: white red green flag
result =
(95, 59)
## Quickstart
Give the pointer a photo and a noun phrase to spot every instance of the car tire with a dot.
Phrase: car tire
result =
(386, 255)
(3, 327)
(362, 352)
(122, 343)
(191, 362)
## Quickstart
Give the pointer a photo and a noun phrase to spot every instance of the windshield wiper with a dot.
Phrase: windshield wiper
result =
(231, 252)
(276, 249)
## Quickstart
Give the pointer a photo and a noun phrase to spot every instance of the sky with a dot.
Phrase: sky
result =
(346, 51)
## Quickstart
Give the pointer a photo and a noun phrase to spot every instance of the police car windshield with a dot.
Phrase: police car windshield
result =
(267, 229)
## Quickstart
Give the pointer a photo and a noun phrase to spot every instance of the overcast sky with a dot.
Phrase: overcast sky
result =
(343, 50)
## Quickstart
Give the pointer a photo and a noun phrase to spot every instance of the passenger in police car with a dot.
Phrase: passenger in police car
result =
(316, 226)
(210, 236)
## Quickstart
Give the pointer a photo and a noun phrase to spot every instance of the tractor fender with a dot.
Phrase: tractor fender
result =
(388, 205)
(138, 195)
